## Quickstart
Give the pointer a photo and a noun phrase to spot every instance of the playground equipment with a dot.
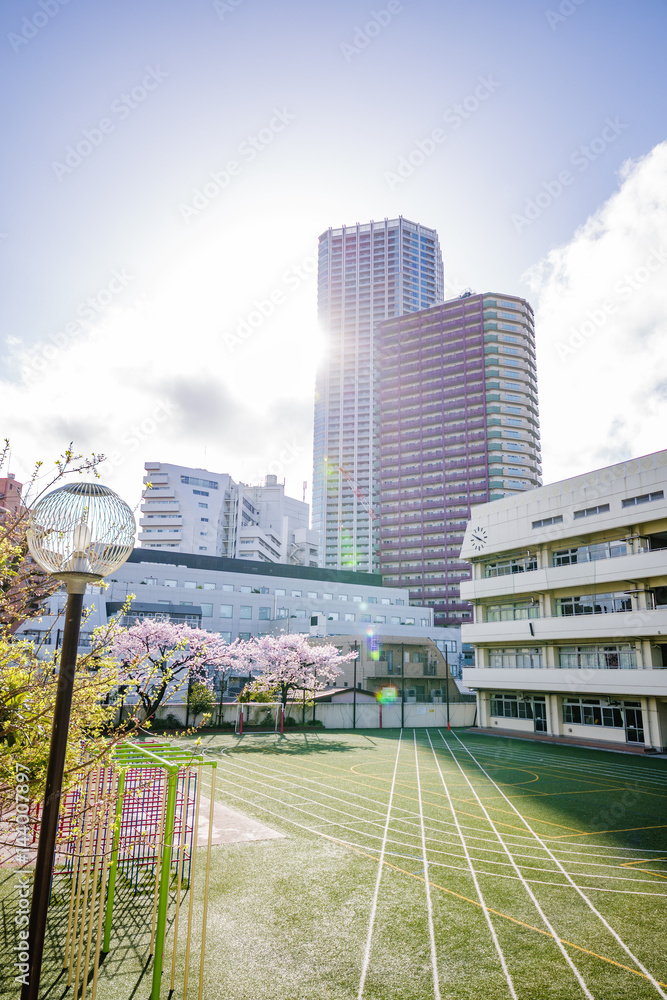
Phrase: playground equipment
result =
(136, 820)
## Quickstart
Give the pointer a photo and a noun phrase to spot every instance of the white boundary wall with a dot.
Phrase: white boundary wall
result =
(339, 715)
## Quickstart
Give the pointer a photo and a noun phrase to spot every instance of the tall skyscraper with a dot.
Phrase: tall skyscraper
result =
(366, 273)
(457, 409)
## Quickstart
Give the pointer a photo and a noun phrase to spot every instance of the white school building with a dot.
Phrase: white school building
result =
(569, 590)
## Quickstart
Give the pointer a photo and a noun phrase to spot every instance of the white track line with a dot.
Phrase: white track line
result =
(429, 906)
(611, 772)
(274, 774)
(485, 909)
(396, 854)
(371, 922)
(574, 885)
(352, 828)
(530, 892)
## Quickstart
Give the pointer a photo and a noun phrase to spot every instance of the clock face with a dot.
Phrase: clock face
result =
(478, 538)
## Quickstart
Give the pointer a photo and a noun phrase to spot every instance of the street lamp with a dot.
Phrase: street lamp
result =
(79, 533)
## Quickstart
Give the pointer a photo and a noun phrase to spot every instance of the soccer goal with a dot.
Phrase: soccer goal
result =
(254, 718)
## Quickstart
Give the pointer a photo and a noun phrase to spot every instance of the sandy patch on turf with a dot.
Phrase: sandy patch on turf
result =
(230, 827)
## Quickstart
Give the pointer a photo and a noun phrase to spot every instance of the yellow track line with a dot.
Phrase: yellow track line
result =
(439, 795)
(625, 829)
(497, 808)
(647, 861)
(473, 902)
(551, 772)
(498, 913)
(644, 861)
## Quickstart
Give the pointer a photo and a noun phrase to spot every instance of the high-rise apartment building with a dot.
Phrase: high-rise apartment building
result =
(193, 510)
(458, 418)
(366, 273)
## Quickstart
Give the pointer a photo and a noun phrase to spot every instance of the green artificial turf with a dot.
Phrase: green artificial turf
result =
(290, 918)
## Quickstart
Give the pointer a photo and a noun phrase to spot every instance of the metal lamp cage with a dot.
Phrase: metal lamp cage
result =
(81, 529)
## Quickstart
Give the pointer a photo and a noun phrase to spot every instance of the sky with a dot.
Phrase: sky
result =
(169, 166)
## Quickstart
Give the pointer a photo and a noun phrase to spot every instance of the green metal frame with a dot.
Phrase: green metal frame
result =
(171, 759)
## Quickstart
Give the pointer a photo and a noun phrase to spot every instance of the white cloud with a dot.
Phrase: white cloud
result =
(601, 321)
(154, 378)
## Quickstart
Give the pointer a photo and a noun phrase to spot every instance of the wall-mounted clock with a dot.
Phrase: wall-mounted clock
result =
(478, 538)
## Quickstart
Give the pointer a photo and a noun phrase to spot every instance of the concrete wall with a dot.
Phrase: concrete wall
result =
(339, 716)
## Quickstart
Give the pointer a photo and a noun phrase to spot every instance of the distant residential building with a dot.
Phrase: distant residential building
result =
(193, 510)
(458, 426)
(569, 589)
(10, 495)
(26, 591)
(366, 273)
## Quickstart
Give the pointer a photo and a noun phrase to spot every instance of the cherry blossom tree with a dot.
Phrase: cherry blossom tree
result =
(233, 656)
(160, 656)
(289, 662)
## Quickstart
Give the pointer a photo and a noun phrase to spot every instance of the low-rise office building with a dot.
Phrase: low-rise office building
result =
(240, 599)
(569, 590)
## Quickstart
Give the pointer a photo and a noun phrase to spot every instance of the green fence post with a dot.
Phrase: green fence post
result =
(120, 796)
(165, 872)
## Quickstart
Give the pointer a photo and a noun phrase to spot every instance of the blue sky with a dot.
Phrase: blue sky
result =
(153, 368)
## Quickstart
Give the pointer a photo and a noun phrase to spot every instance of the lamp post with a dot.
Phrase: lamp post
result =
(447, 685)
(79, 533)
(354, 692)
(402, 685)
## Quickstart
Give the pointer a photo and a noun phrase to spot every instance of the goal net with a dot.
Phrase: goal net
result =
(254, 718)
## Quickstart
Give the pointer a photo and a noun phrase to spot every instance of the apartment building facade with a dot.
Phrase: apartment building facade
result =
(196, 511)
(366, 273)
(458, 426)
(569, 590)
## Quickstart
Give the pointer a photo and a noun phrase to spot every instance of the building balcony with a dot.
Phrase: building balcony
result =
(158, 492)
(579, 629)
(590, 683)
(175, 521)
(165, 535)
(616, 573)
